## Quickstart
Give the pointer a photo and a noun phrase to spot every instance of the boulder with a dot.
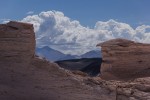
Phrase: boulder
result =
(124, 59)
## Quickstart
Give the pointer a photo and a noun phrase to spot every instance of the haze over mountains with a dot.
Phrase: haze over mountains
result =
(55, 55)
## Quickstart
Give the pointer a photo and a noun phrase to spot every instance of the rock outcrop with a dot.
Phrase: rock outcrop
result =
(17, 43)
(24, 76)
(124, 59)
(138, 89)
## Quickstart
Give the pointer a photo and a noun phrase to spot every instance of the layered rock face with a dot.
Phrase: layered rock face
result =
(124, 59)
(17, 42)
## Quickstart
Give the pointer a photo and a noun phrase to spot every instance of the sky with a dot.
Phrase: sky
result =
(88, 12)
(76, 26)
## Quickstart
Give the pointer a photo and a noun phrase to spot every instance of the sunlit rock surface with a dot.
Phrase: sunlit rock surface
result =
(124, 59)
(17, 42)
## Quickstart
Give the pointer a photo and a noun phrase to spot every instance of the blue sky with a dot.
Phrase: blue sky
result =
(77, 26)
(88, 12)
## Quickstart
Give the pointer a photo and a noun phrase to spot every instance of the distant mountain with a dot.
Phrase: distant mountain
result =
(55, 55)
(52, 55)
(92, 54)
(68, 56)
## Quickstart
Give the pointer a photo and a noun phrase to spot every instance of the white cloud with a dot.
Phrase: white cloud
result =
(30, 12)
(56, 30)
(4, 20)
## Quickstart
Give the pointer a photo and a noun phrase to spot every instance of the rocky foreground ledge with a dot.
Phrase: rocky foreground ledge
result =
(23, 76)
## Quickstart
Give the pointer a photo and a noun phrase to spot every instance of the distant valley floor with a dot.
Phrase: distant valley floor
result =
(91, 66)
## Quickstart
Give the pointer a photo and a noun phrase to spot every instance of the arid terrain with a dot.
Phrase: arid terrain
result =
(24, 76)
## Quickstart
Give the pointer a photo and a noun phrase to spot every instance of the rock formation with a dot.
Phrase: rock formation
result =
(24, 76)
(124, 59)
(17, 43)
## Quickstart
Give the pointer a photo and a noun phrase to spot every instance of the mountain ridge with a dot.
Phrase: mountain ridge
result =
(55, 55)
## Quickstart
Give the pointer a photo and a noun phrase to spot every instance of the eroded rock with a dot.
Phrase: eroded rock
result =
(124, 59)
(17, 42)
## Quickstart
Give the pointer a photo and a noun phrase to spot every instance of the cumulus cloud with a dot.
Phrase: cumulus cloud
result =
(4, 20)
(57, 31)
(30, 12)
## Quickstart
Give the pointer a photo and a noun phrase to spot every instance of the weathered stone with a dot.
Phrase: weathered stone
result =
(17, 42)
(124, 59)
